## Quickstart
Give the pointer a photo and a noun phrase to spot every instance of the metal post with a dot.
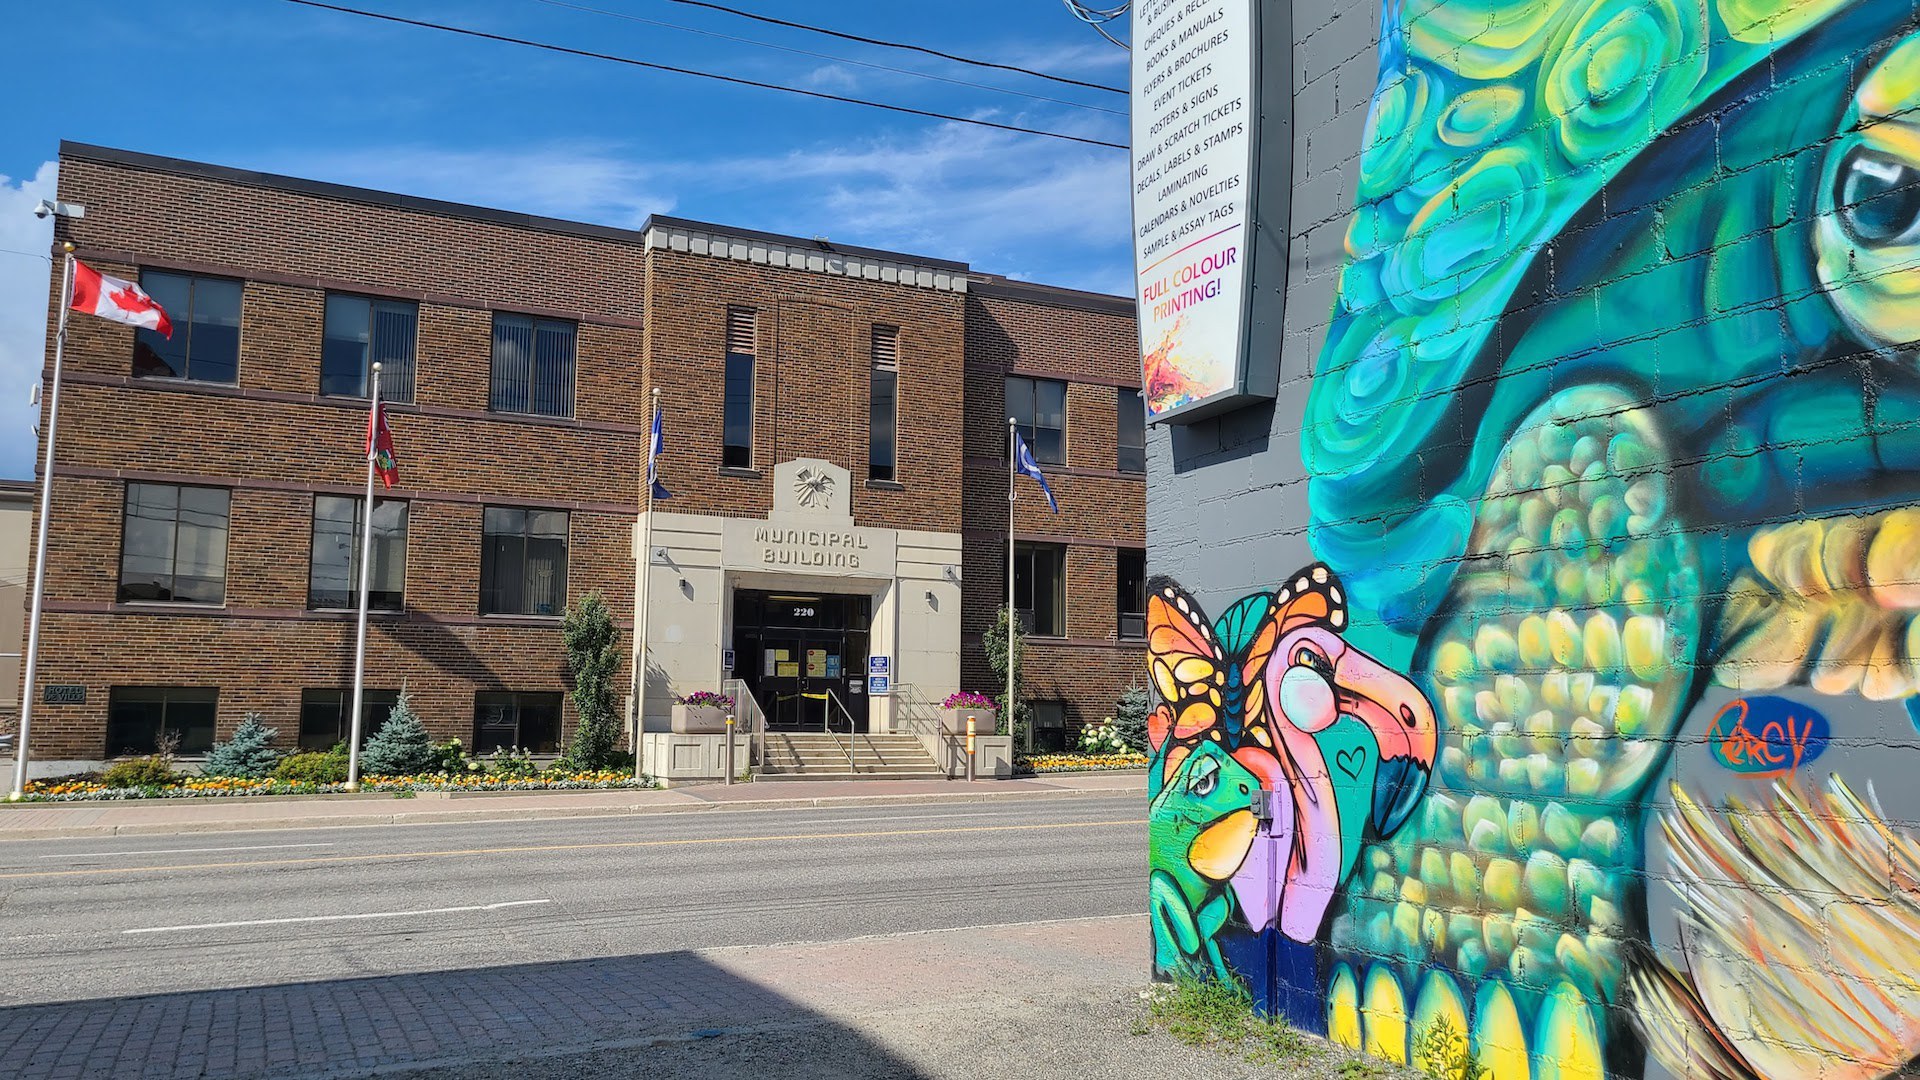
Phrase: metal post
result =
(729, 780)
(366, 577)
(638, 684)
(970, 764)
(40, 548)
(1013, 618)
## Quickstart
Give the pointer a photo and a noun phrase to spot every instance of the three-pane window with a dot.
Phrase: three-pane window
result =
(736, 437)
(205, 312)
(360, 332)
(528, 721)
(1131, 601)
(1039, 407)
(523, 562)
(1040, 588)
(334, 578)
(532, 366)
(884, 403)
(324, 716)
(174, 544)
(1131, 425)
(144, 719)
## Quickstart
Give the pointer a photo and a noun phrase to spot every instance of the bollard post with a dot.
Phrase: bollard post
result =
(729, 755)
(970, 764)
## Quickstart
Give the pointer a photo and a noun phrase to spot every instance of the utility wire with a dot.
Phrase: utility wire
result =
(826, 56)
(899, 45)
(466, 32)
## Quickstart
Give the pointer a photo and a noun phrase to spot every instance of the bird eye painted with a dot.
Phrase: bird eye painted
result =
(1877, 198)
(1308, 657)
(1206, 782)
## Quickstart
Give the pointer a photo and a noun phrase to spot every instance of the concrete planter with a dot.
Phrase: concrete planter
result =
(955, 720)
(699, 720)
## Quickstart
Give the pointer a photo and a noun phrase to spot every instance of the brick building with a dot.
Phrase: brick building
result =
(825, 405)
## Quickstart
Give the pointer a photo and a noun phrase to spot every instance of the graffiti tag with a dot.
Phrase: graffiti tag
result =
(1767, 736)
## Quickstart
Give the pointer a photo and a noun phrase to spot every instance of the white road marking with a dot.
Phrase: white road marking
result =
(176, 851)
(335, 918)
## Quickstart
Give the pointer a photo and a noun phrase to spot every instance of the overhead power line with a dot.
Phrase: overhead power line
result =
(899, 45)
(735, 80)
(1098, 17)
(825, 56)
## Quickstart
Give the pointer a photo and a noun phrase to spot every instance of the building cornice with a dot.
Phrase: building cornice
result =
(813, 256)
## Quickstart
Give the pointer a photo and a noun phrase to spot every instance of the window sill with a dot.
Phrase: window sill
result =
(183, 381)
(385, 400)
(508, 616)
(169, 605)
(740, 473)
(886, 485)
(372, 612)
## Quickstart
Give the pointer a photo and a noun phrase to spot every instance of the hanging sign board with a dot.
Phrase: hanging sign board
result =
(1212, 173)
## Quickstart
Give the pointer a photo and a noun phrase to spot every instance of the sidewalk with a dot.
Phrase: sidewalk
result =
(44, 821)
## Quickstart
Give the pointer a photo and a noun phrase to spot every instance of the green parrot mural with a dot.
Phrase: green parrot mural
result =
(1615, 434)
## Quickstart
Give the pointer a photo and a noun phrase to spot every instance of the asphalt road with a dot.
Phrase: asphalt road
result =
(113, 917)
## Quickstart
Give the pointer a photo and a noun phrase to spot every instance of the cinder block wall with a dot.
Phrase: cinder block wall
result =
(1591, 738)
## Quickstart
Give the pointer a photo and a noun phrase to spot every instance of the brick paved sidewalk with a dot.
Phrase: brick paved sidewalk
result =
(450, 1019)
(36, 821)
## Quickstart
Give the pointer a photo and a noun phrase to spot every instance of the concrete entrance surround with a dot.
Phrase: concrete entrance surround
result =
(808, 543)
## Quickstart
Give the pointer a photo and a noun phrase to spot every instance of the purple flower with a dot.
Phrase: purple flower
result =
(967, 699)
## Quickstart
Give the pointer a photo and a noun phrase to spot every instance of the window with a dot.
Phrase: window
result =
(884, 402)
(736, 439)
(1039, 588)
(1132, 600)
(1132, 429)
(205, 313)
(523, 562)
(140, 719)
(528, 721)
(334, 579)
(361, 332)
(174, 544)
(1039, 406)
(532, 366)
(1049, 730)
(324, 716)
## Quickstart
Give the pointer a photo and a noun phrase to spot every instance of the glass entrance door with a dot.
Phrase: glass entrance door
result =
(801, 653)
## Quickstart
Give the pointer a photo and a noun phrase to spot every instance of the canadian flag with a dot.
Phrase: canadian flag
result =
(122, 301)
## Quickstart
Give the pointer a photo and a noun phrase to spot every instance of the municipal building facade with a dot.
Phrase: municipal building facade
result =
(835, 432)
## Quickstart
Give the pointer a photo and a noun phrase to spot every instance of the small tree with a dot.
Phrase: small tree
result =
(248, 754)
(1130, 717)
(1013, 714)
(593, 656)
(401, 747)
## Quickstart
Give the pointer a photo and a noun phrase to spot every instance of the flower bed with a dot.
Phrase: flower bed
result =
(1039, 764)
(229, 787)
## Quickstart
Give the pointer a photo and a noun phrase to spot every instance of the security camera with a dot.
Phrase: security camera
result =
(57, 208)
(43, 209)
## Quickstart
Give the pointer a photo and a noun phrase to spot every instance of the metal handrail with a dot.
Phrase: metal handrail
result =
(852, 728)
(919, 720)
(747, 707)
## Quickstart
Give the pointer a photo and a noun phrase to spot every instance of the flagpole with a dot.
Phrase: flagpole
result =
(40, 548)
(1013, 460)
(639, 685)
(366, 577)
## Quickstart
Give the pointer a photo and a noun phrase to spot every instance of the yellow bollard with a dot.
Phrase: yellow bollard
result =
(970, 763)
(730, 769)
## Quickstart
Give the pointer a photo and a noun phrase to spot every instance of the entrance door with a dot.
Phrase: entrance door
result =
(804, 657)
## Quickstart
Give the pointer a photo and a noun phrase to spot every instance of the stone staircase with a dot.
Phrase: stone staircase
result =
(814, 755)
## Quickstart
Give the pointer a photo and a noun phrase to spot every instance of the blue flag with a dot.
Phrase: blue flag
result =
(1023, 461)
(656, 446)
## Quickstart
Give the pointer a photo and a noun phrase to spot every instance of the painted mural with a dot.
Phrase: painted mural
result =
(1576, 737)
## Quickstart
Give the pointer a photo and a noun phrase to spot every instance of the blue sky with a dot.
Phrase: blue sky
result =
(264, 84)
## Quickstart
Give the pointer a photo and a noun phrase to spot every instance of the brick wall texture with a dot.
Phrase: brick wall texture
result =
(644, 317)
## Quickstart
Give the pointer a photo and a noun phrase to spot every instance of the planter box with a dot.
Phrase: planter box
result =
(955, 720)
(699, 720)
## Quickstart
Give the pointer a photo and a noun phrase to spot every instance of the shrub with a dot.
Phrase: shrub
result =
(401, 746)
(514, 764)
(1005, 645)
(593, 658)
(450, 757)
(141, 772)
(314, 767)
(248, 755)
(1130, 717)
(1102, 738)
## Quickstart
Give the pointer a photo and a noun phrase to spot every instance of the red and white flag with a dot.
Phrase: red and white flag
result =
(122, 301)
(380, 447)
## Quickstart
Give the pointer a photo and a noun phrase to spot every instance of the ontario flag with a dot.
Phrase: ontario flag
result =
(122, 301)
(380, 447)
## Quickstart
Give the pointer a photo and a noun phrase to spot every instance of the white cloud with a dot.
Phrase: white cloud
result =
(834, 78)
(25, 271)
(576, 181)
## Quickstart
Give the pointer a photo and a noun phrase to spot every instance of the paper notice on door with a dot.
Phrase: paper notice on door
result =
(787, 670)
(816, 663)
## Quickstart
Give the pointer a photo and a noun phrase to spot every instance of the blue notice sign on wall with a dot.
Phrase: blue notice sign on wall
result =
(879, 684)
(880, 666)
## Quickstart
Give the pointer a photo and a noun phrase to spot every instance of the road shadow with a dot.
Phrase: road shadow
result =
(662, 1014)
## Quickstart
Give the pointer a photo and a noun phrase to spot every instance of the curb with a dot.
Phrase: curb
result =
(456, 817)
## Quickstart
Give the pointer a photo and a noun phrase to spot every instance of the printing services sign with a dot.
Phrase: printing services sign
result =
(1212, 165)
